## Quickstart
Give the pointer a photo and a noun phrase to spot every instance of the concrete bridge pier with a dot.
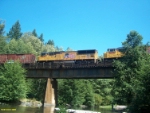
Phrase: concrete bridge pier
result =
(51, 92)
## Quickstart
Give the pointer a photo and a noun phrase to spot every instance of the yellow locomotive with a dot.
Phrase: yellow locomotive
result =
(113, 53)
(80, 56)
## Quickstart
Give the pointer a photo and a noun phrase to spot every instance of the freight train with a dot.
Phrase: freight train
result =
(80, 56)
(61, 58)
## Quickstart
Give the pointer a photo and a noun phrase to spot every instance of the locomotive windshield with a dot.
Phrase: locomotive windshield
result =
(42, 54)
(111, 50)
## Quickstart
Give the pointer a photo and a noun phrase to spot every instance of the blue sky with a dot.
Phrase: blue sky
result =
(80, 24)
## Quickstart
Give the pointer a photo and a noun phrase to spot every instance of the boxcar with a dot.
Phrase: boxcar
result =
(22, 58)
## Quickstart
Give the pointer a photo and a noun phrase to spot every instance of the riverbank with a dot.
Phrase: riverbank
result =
(23, 102)
(30, 103)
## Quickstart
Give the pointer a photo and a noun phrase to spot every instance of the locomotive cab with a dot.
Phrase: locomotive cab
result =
(113, 53)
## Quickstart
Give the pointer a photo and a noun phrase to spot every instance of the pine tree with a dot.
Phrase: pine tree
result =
(2, 26)
(12, 82)
(34, 33)
(15, 31)
(41, 37)
(2, 38)
(50, 42)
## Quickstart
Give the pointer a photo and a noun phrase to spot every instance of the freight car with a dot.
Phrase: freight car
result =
(76, 57)
(25, 59)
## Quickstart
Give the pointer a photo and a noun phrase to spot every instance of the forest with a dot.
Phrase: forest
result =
(130, 86)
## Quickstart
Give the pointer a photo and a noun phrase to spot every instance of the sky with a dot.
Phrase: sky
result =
(80, 24)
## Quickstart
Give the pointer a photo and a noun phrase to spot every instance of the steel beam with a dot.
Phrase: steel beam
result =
(76, 73)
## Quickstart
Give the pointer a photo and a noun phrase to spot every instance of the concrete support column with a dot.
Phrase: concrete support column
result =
(55, 86)
(51, 92)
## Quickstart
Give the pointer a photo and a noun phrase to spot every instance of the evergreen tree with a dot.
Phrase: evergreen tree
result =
(2, 44)
(2, 38)
(2, 26)
(41, 38)
(34, 33)
(50, 42)
(12, 82)
(15, 31)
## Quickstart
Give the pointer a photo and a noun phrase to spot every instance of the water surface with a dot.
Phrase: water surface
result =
(50, 109)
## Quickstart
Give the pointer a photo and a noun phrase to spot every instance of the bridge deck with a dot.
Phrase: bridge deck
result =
(73, 71)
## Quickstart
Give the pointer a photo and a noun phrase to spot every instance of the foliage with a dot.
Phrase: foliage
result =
(131, 74)
(34, 33)
(2, 44)
(36, 88)
(12, 82)
(33, 42)
(71, 92)
(15, 31)
(133, 40)
(41, 38)
(93, 93)
(89, 93)
(141, 99)
(51, 42)
(48, 48)
(2, 26)
(102, 90)
(128, 68)
(2, 38)
(18, 47)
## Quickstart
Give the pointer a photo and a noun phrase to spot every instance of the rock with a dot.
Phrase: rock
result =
(57, 109)
(83, 106)
(120, 107)
(30, 103)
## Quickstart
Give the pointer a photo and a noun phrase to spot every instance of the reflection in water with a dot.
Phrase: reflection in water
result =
(21, 109)
(18, 109)
(47, 109)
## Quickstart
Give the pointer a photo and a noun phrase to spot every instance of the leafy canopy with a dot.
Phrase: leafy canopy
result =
(12, 82)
